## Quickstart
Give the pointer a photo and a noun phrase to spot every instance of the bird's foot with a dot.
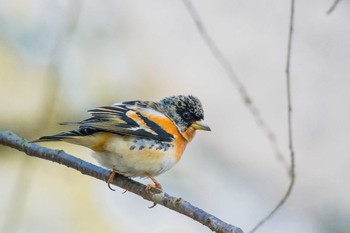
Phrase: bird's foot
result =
(110, 179)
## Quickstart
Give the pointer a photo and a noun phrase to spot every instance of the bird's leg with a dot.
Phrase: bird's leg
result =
(110, 179)
(156, 185)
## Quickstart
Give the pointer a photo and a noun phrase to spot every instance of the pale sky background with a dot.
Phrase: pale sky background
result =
(102, 52)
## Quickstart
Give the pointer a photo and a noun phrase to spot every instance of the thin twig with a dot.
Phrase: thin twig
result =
(290, 128)
(332, 8)
(179, 205)
(228, 68)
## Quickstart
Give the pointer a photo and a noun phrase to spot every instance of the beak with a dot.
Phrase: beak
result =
(200, 125)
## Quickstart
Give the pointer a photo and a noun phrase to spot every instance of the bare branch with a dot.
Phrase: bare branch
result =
(228, 68)
(332, 8)
(179, 205)
(290, 128)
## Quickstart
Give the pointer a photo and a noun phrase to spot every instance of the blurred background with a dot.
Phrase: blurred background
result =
(60, 58)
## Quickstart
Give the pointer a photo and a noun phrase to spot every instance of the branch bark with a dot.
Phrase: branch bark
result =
(179, 205)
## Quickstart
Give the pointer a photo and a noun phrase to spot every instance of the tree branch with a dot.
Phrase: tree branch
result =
(179, 205)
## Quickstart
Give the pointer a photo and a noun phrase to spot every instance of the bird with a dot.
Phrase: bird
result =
(138, 138)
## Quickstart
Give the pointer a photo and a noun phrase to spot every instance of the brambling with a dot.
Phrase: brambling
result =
(138, 138)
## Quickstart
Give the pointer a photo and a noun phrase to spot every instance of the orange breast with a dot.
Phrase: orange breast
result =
(180, 141)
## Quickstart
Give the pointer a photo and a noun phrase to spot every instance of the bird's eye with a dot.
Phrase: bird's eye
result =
(186, 115)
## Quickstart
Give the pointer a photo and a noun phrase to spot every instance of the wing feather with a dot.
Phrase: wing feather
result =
(128, 118)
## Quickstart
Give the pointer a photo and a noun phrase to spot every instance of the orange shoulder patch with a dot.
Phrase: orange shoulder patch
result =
(165, 123)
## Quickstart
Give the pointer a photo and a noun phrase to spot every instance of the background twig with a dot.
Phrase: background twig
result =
(228, 68)
(177, 204)
(290, 128)
(248, 100)
(332, 8)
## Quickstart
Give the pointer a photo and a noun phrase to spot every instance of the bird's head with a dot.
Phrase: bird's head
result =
(186, 112)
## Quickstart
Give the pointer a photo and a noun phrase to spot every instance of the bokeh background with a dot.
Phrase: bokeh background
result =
(61, 58)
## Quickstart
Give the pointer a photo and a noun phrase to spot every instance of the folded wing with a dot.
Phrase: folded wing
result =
(127, 118)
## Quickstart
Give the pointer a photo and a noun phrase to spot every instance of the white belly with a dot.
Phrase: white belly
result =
(136, 158)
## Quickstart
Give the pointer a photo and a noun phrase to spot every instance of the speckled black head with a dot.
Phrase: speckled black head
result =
(185, 111)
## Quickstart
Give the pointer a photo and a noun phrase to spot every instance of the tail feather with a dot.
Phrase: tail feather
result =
(57, 137)
(83, 131)
(69, 123)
